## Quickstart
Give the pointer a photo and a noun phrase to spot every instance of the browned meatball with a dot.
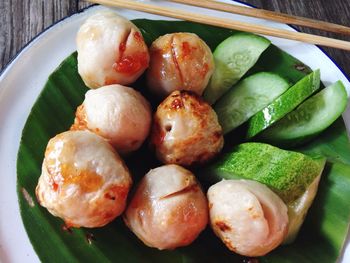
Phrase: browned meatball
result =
(186, 130)
(119, 114)
(111, 50)
(179, 61)
(168, 209)
(83, 180)
(247, 216)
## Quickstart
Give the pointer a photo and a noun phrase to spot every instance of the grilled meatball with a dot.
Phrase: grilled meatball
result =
(111, 50)
(83, 180)
(186, 130)
(179, 61)
(168, 209)
(117, 113)
(247, 216)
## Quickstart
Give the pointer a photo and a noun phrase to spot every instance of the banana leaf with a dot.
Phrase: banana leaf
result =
(320, 240)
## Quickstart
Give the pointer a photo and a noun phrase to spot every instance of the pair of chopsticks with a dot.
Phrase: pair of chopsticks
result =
(238, 25)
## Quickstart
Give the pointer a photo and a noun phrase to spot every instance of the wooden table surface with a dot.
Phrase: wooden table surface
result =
(21, 20)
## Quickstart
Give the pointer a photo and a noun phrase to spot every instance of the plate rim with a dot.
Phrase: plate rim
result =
(28, 45)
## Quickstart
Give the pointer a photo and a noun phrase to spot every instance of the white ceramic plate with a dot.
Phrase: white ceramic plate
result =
(25, 76)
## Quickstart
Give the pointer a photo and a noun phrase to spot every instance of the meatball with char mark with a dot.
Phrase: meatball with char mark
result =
(169, 209)
(111, 50)
(247, 216)
(179, 61)
(186, 130)
(83, 180)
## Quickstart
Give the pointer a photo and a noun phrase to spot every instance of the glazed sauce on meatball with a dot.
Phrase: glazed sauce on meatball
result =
(131, 64)
(138, 37)
(122, 47)
(186, 49)
(87, 180)
(54, 185)
(62, 173)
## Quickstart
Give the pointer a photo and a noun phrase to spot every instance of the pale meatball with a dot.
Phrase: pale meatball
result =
(169, 209)
(83, 180)
(186, 130)
(119, 114)
(247, 216)
(111, 50)
(179, 61)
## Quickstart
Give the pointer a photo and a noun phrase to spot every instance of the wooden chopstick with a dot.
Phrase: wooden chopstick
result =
(268, 15)
(226, 23)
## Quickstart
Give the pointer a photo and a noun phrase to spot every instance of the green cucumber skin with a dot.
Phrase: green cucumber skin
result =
(287, 173)
(233, 58)
(310, 118)
(247, 98)
(284, 104)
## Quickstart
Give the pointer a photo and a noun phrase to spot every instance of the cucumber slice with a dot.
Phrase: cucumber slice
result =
(298, 209)
(247, 98)
(284, 104)
(233, 58)
(310, 118)
(286, 173)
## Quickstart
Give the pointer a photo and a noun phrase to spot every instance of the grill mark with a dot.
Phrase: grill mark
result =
(80, 121)
(177, 104)
(223, 226)
(173, 56)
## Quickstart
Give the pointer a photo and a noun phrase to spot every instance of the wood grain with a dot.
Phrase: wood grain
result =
(254, 28)
(21, 20)
(267, 14)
